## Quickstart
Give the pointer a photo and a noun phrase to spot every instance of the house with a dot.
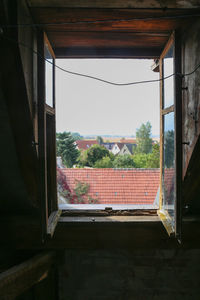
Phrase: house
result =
(85, 144)
(108, 146)
(116, 186)
(51, 254)
(116, 148)
(127, 149)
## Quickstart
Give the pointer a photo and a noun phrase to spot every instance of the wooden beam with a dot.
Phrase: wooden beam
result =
(20, 278)
(105, 39)
(115, 3)
(89, 52)
(110, 19)
(16, 99)
(130, 232)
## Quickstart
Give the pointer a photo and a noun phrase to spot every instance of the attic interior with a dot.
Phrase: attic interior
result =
(45, 255)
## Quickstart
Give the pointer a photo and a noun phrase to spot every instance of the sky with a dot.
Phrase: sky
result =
(94, 108)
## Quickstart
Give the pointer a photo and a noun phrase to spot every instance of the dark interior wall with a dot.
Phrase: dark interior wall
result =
(190, 96)
(132, 275)
(27, 37)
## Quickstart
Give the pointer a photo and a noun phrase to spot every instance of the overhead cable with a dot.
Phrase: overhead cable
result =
(97, 78)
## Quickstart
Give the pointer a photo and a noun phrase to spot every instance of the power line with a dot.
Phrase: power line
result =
(97, 78)
(101, 21)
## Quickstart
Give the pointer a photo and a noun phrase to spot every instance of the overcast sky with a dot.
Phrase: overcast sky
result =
(91, 107)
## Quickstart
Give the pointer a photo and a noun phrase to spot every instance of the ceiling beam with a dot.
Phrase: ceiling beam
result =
(116, 3)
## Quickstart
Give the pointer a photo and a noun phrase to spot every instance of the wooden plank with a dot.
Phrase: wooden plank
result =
(42, 136)
(178, 134)
(84, 233)
(115, 3)
(90, 52)
(20, 115)
(52, 222)
(105, 39)
(109, 19)
(168, 110)
(20, 278)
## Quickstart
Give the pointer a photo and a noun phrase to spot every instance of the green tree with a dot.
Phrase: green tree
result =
(94, 153)
(143, 138)
(105, 162)
(169, 148)
(66, 148)
(123, 161)
(76, 136)
(140, 160)
(153, 160)
(100, 140)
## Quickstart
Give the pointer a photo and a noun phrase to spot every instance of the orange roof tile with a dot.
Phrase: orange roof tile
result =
(117, 186)
(85, 144)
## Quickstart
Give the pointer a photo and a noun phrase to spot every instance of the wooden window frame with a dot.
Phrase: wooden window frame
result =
(172, 229)
(46, 144)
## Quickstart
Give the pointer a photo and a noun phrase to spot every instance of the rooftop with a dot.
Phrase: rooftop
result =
(117, 186)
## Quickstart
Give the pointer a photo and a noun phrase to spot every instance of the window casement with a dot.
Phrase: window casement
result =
(171, 137)
(47, 135)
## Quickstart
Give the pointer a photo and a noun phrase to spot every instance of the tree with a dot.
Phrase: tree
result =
(169, 148)
(76, 136)
(66, 148)
(95, 153)
(143, 139)
(153, 160)
(105, 162)
(123, 161)
(92, 155)
(140, 160)
(100, 140)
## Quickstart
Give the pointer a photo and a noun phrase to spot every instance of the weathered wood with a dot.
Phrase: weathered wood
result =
(20, 278)
(178, 133)
(168, 110)
(191, 186)
(102, 232)
(52, 222)
(111, 28)
(115, 3)
(109, 19)
(90, 52)
(105, 39)
(15, 92)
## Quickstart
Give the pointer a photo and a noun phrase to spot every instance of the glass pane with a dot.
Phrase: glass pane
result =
(168, 178)
(168, 85)
(48, 77)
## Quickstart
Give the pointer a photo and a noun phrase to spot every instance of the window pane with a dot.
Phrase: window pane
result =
(168, 69)
(168, 178)
(48, 77)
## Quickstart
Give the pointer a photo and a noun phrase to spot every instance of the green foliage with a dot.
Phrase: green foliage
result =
(105, 162)
(76, 136)
(92, 155)
(153, 160)
(100, 140)
(169, 148)
(140, 160)
(81, 190)
(143, 139)
(66, 148)
(123, 161)
(150, 160)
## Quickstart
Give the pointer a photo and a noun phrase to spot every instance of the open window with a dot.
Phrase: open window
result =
(170, 137)
(47, 135)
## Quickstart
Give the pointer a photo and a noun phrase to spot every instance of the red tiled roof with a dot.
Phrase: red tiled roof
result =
(117, 186)
(85, 144)
(128, 141)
